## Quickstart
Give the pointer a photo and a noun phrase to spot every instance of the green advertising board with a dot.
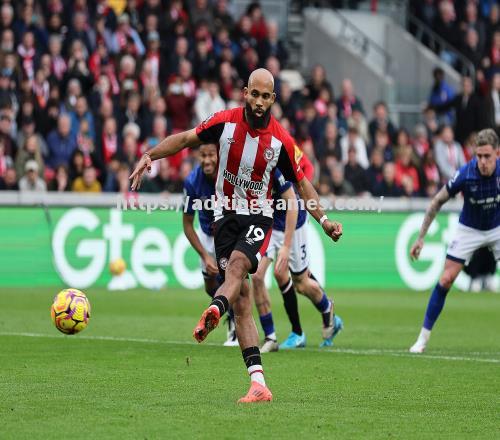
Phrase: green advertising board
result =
(74, 246)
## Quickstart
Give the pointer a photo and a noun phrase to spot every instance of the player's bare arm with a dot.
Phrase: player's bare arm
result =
(167, 147)
(194, 240)
(292, 214)
(437, 202)
(307, 192)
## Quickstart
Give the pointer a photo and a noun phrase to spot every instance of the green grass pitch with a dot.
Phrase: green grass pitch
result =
(136, 373)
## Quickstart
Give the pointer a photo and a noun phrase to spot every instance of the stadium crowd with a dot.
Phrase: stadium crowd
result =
(87, 86)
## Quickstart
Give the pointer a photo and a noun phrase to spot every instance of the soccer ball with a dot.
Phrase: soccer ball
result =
(118, 266)
(70, 311)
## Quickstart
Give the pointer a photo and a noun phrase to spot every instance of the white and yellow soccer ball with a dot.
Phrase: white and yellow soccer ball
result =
(70, 311)
(117, 267)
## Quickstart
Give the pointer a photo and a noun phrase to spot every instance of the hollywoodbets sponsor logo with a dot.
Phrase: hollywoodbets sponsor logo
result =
(248, 185)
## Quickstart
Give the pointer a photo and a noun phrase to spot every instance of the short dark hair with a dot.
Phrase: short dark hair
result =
(487, 137)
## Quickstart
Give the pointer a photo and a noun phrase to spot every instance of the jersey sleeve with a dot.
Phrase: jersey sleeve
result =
(287, 162)
(280, 183)
(189, 197)
(210, 130)
(456, 183)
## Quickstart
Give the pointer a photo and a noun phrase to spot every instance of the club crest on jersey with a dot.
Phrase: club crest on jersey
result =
(230, 141)
(223, 263)
(269, 154)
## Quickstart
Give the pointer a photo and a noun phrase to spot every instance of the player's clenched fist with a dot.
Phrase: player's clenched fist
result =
(416, 248)
(332, 229)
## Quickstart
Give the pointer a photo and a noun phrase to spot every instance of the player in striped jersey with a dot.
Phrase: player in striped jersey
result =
(252, 144)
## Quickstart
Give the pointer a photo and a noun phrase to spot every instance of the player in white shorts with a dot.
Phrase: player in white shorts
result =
(479, 223)
(288, 248)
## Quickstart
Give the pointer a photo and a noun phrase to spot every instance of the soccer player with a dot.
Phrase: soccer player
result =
(479, 223)
(289, 246)
(200, 186)
(252, 144)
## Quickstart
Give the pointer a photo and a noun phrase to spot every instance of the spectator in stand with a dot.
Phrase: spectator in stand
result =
(431, 179)
(80, 30)
(28, 129)
(111, 182)
(406, 170)
(471, 47)
(388, 187)
(375, 173)
(132, 112)
(272, 45)
(472, 21)
(353, 140)
(339, 185)
(491, 117)
(6, 160)
(446, 26)
(60, 182)
(449, 154)
(204, 64)
(355, 174)
(130, 150)
(258, 28)
(431, 123)
(403, 142)
(126, 35)
(359, 121)
(441, 93)
(208, 101)
(318, 81)
(78, 67)
(88, 182)
(200, 12)
(110, 141)
(180, 98)
(381, 121)
(58, 64)
(61, 142)
(6, 16)
(31, 181)
(222, 16)
(30, 151)
(348, 102)
(8, 182)
(329, 145)
(28, 56)
(383, 144)
(81, 113)
(420, 141)
(467, 107)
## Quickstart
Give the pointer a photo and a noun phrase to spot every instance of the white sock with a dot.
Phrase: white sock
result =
(424, 336)
(272, 336)
(257, 374)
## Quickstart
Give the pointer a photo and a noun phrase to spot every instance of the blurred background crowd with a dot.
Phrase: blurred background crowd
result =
(87, 86)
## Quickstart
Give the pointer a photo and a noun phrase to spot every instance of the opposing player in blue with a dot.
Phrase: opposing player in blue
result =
(479, 223)
(200, 186)
(288, 247)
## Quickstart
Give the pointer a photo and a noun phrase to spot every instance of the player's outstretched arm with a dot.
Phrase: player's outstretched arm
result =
(313, 206)
(292, 213)
(192, 236)
(438, 200)
(167, 147)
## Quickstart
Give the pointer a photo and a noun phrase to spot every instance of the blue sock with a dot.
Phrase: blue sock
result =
(436, 303)
(267, 323)
(324, 305)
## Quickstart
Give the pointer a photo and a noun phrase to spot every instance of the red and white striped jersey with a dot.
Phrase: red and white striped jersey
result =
(247, 159)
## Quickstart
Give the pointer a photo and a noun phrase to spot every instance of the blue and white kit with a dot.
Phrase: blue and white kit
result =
(479, 222)
(298, 260)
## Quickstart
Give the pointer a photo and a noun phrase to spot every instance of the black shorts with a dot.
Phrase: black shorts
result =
(249, 234)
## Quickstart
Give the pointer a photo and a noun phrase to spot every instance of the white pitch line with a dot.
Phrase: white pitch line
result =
(366, 352)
